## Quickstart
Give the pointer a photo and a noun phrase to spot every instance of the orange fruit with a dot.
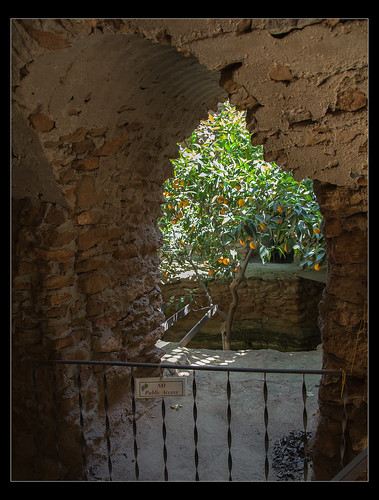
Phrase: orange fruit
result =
(317, 267)
(226, 261)
(316, 231)
(252, 245)
(241, 202)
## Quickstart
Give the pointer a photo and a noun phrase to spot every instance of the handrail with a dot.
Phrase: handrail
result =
(353, 469)
(174, 366)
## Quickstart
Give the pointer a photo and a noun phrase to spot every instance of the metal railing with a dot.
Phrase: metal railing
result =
(229, 410)
(355, 469)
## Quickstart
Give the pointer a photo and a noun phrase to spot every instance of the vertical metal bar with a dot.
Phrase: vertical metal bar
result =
(195, 434)
(55, 422)
(36, 418)
(344, 420)
(164, 440)
(265, 416)
(38, 413)
(229, 416)
(81, 422)
(133, 388)
(305, 421)
(105, 386)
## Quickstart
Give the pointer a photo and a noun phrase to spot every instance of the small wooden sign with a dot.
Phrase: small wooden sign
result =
(156, 387)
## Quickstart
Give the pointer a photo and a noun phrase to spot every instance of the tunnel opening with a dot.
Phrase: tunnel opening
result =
(225, 205)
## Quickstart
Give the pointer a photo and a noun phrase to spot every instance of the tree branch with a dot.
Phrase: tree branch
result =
(233, 305)
(200, 279)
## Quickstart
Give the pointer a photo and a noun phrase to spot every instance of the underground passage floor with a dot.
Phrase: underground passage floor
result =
(245, 444)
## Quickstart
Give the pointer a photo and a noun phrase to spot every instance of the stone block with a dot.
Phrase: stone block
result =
(96, 235)
(89, 265)
(107, 342)
(127, 252)
(84, 146)
(111, 146)
(41, 122)
(280, 73)
(87, 164)
(94, 284)
(88, 217)
(48, 40)
(76, 136)
(351, 100)
(55, 238)
(59, 255)
(86, 194)
(57, 282)
(56, 215)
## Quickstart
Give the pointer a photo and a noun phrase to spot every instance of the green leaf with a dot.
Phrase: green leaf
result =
(320, 255)
(217, 159)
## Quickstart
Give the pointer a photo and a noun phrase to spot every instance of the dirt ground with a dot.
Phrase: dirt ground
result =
(285, 412)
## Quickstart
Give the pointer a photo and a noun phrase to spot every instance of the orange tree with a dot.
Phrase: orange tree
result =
(224, 197)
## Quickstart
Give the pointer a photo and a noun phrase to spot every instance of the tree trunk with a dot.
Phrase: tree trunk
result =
(234, 303)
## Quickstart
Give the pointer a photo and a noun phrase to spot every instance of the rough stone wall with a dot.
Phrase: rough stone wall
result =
(303, 82)
(98, 106)
(90, 156)
(343, 324)
(277, 310)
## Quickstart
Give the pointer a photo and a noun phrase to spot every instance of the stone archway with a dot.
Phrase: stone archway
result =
(98, 108)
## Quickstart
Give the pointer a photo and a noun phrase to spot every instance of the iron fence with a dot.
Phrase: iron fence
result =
(229, 411)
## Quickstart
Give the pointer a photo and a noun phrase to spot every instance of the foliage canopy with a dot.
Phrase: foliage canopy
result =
(224, 197)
